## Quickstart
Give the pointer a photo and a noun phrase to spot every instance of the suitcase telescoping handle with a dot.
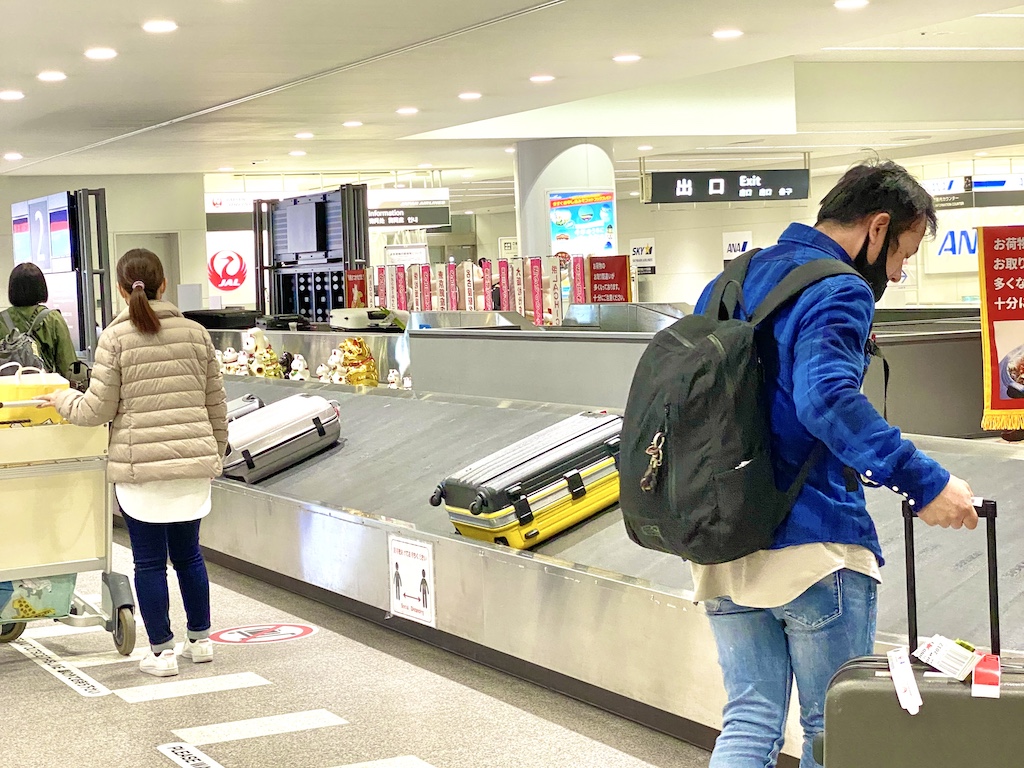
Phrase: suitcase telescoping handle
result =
(986, 509)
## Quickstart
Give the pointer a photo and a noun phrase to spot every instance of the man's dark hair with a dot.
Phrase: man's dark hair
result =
(883, 187)
(27, 286)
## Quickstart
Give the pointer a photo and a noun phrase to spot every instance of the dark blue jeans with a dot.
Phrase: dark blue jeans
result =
(152, 543)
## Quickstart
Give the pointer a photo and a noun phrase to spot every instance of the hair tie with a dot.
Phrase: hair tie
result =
(138, 284)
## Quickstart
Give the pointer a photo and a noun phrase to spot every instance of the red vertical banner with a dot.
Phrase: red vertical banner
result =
(1001, 257)
(504, 286)
(579, 280)
(537, 290)
(488, 297)
(401, 289)
(382, 287)
(452, 286)
(609, 279)
(425, 289)
(355, 288)
(441, 274)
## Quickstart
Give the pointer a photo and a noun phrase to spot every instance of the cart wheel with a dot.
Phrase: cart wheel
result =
(11, 632)
(124, 632)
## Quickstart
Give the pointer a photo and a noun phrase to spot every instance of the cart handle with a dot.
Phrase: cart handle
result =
(24, 404)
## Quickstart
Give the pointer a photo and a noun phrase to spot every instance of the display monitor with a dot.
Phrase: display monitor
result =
(64, 295)
(43, 234)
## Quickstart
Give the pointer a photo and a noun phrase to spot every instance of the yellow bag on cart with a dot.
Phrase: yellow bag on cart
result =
(26, 384)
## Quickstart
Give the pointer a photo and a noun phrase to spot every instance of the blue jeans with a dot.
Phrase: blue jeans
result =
(151, 545)
(761, 651)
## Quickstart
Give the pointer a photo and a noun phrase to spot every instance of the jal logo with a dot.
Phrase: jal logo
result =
(227, 270)
(737, 248)
(962, 242)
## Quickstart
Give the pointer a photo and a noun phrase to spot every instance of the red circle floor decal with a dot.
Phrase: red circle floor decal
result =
(262, 633)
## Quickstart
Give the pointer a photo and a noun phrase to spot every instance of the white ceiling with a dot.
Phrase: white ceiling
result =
(239, 78)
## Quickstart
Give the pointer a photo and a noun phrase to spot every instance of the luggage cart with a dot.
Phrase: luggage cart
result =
(57, 519)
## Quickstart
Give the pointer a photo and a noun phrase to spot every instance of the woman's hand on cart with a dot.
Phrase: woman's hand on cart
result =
(48, 400)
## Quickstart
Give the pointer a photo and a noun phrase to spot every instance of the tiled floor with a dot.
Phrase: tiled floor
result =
(351, 694)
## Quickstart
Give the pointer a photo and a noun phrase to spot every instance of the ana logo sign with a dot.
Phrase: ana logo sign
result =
(962, 242)
(735, 249)
(227, 270)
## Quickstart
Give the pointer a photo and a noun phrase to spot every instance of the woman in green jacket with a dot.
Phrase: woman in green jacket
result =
(28, 294)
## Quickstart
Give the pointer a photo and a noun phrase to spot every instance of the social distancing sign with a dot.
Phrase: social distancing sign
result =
(411, 573)
(262, 633)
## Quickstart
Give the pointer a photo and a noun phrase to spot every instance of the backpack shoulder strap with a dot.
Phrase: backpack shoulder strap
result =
(728, 291)
(37, 320)
(8, 321)
(801, 278)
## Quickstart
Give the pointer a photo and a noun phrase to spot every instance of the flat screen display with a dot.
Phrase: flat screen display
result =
(42, 233)
(64, 295)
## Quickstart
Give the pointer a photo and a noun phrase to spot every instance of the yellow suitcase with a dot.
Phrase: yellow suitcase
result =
(538, 487)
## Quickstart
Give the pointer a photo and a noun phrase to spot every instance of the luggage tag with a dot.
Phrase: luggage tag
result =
(987, 677)
(903, 679)
(948, 657)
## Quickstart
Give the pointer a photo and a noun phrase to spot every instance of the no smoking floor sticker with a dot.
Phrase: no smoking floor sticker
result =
(262, 633)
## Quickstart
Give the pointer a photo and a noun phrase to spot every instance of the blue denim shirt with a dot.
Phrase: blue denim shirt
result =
(814, 375)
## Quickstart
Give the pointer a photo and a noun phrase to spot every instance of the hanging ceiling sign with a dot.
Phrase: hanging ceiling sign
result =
(409, 208)
(728, 186)
(950, 193)
(995, 191)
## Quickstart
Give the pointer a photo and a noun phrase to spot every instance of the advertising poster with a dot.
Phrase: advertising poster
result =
(582, 223)
(452, 286)
(518, 286)
(504, 286)
(382, 287)
(441, 274)
(355, 288)
(426, 291)
(579, 280)
(1001, 259)
(609, 279)
(401, 289)
(641, 252)
(537, 290)
(488, 283)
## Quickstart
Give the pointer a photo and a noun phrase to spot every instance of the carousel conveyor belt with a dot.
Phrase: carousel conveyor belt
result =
(396, 447)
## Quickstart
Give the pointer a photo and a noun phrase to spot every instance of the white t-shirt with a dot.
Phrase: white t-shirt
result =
(165, 501)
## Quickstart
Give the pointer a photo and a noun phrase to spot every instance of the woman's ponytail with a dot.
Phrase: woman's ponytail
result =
(141, 275)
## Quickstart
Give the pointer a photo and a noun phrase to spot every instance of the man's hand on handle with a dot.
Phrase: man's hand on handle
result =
(953, 508)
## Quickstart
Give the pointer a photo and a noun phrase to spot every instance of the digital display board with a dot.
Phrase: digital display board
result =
(41, 231)
(728, 186)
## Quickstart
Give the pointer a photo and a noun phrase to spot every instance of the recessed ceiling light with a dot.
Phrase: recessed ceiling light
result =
(469, 213)
(542, 78)
(981, 154)
(226, 169)
(352, 124)
(407, 111)
(727, 34)
(160, 26)
(12, 156)
(850, 5)
(634, 194)
(304, 135)
(52, 76)
(11, 95)
(626, 58)
(469, 96)
(645, 148)
(100, 54)
(510, 150)
(297, 153)
(426, 165)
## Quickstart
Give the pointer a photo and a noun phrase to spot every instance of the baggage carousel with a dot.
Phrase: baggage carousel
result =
(588, 612)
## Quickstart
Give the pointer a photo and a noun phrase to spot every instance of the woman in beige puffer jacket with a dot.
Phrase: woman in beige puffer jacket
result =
(158, 383)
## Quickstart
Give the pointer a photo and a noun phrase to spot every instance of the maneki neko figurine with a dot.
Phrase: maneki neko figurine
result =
(300, 370)
(231, 365)
(359, 365)
(323, 373)
(393, 379)
(263, 360)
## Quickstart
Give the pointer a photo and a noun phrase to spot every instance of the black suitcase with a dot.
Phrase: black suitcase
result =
(526, 493)
(224, 319)
(866, 726)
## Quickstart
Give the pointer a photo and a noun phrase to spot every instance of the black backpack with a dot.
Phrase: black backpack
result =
(695, 466)
(18, 347)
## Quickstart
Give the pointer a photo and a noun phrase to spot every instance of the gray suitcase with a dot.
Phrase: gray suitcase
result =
(243, 405)
(279, 436)
(865, 725)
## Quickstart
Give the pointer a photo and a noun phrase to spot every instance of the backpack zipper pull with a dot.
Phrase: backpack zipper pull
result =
(650, 479)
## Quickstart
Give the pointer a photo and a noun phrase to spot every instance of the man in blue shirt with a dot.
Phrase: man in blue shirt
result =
(806, 606)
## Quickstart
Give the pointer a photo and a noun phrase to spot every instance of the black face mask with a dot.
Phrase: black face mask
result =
(876, 274)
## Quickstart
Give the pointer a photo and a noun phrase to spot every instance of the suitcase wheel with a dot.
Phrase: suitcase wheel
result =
(478, 504)
(501, 540)
(437, 496)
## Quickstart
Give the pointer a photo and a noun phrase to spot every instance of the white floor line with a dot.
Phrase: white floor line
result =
(392, 762)
(155, 692)
(260, 726)
(87, 660)
(56, 666)
(40, 630)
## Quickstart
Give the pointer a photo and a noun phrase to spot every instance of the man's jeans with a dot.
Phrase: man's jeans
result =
(762, 650)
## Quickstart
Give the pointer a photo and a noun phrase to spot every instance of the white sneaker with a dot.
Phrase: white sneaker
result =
(200, 651)
(164, 665)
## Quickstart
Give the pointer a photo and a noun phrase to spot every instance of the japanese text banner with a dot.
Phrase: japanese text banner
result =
(1001, 255)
